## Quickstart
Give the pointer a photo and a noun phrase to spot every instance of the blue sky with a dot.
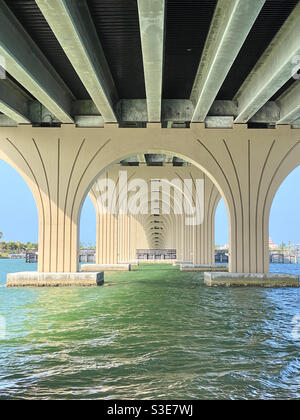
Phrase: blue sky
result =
(18, 214)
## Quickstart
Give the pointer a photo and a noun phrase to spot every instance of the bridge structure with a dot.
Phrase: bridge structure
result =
(159, 223)
(89, 84)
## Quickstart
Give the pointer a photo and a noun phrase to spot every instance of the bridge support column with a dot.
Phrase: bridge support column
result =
(48, 165)
(181, 243)
(124, 236)
(178, 244)
(132, 238)
(107, 239)
(188, 243)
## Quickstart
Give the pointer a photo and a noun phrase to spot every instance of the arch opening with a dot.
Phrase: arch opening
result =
(284, 225)
(193, 239)
(221, 222)
(19, 223)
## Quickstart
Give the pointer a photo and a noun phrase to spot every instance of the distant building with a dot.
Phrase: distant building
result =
(296, 247)
(272, 244)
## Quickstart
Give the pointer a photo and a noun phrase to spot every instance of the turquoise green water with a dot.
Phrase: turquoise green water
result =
(154, 333)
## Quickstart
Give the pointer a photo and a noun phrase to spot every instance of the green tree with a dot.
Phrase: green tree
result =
(282, 247)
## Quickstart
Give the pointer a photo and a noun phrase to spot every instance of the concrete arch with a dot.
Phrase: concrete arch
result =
(143, 220)
(111, 223)
(247, 166)
(198, 241)
(284, 160)
(167, 220)
(230, 162)
(208, 164)
(147, 176)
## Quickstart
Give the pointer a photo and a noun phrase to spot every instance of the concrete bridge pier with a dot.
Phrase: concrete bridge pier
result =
(178, 239)
(204, 254)
(64, 124)
(124, 238)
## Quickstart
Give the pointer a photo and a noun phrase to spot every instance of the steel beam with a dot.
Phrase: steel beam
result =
(27, 64)
(232, 22)
(13, 102)
(152, 24)
(73, 26)
(289, 104)
(273, 69)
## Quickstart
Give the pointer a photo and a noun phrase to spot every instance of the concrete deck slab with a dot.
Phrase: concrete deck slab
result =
(204, 267)
(258, 280)
(34, 279)
(104, 267)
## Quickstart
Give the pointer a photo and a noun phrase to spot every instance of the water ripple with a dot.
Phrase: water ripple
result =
(163, 334)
